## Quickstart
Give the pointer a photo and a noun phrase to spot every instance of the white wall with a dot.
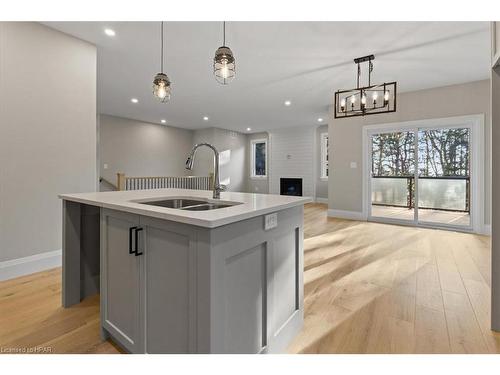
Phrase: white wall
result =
(139, 148)
(292, 154)
(47, 133)
(345, 183)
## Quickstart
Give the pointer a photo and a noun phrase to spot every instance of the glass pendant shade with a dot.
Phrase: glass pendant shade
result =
(161, 87)
(224, 65)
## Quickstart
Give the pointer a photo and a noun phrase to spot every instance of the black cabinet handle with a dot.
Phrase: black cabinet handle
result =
(130, 248)
(137, 253)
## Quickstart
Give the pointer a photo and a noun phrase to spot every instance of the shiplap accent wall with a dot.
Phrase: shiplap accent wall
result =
(292, 154)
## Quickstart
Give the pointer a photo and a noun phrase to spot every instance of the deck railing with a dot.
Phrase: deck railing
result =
(444, 193)
(163, 182)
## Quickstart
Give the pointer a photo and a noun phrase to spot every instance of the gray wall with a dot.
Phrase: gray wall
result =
(231, 146)
(47, 133)
(256, 185)
(204, 162)
(139, 148)
(321, 185)
(345, 183)
(143, 149)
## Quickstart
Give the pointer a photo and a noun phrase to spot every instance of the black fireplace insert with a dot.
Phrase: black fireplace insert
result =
(291, 186)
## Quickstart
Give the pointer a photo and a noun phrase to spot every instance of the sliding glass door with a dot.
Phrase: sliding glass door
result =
(421, 176)
(444, 176)
(392, 175)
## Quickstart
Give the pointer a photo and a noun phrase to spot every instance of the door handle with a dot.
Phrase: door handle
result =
(130, 248)
(137, 230)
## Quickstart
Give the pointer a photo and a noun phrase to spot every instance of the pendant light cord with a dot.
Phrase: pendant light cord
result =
(161, 63)
(224, 33)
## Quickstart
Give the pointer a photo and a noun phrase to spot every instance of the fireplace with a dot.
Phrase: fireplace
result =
(291, 186)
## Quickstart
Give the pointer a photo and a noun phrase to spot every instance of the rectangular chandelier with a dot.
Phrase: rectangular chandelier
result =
(367, 100)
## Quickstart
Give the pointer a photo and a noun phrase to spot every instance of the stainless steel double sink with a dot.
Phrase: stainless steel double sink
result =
(188, 204)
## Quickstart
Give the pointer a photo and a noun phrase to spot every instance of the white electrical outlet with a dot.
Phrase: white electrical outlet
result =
(270, 221)
(105, 166)
(354, 164)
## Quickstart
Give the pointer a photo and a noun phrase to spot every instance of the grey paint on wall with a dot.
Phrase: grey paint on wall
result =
(204, 160)
(345, 183)
(233, 162)
(139, 148)
(256, 185)
(47, 133)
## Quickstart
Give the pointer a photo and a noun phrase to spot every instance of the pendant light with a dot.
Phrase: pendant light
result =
(161, 83)
(224, 64)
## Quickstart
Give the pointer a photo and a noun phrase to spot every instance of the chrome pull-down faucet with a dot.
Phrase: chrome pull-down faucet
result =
(190, 161)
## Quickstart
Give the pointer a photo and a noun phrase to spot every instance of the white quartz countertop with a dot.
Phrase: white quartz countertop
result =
(250, 205)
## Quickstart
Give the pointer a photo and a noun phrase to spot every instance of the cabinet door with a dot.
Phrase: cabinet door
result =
(121, 298)
(169, 274)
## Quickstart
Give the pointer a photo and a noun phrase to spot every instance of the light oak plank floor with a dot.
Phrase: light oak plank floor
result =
(369, 288)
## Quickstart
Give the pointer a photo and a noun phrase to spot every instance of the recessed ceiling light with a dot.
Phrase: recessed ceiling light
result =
(163, 121)
(320, 119)
(288, 103)
(205, 118)
(249, 129)
(109, 32)
(134, 100)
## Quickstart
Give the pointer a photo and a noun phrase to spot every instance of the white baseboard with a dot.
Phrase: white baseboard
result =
(486, 230)
(10, 269)
(321, 200)
(350, 215)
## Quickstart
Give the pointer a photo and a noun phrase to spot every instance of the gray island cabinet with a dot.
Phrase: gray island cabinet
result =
(228, 280)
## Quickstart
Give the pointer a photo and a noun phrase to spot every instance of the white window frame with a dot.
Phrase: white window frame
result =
(476, 125)
(324, 162)
(253, 142)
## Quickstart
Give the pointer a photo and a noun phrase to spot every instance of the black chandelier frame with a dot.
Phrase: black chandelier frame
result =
(345, 108)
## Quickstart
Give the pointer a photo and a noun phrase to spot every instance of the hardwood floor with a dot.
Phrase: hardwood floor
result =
(369, 288)
(377, 288)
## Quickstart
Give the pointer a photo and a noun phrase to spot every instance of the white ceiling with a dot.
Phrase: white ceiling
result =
(304, 62)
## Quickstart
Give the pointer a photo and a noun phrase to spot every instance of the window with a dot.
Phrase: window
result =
(259, 158)
(324, 155)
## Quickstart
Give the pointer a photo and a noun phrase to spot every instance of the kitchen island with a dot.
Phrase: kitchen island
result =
(180, 272)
